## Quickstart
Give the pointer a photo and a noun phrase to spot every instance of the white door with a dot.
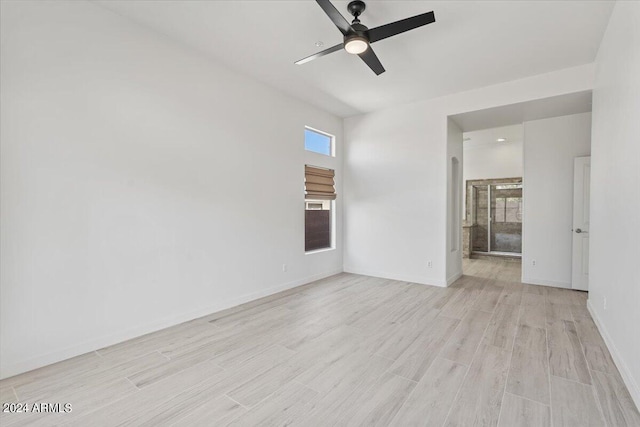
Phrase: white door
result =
(581, 187)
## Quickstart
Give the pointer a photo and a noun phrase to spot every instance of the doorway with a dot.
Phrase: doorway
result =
(494, 214)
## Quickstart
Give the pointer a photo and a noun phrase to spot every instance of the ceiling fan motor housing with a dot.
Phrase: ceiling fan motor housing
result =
(360, 33)
(356, 8)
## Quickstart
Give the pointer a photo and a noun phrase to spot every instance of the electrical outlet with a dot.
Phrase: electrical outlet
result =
(430, 264)
(284, 268)
(604, 303)
(533, 262)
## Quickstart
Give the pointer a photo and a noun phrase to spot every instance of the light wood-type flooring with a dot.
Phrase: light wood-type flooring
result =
(353, 350)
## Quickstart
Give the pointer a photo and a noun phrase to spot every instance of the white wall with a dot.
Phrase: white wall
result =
(497, 160)
(142, 184)
(396, 176)
(492, 160)
(550, 145)
(615, 193)
(454, 201)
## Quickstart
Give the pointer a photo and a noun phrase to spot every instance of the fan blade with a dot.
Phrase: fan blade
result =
(370, 58)
(335, 16)
(388, 30)
(319, 54)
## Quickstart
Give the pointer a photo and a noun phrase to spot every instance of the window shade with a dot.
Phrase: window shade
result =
(319, 183)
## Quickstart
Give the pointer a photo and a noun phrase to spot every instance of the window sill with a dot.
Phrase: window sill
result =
(316, 251)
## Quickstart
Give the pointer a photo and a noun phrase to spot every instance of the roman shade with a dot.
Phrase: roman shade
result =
(319, 183)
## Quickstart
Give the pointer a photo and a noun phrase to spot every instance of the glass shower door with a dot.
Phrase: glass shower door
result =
(505, 224)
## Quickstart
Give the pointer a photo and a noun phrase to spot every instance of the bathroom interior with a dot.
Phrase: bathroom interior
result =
(493, 193)
(494, 213)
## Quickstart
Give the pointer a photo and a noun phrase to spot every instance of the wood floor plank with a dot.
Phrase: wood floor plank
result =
(153, 342)
(573, 404)
(342, 400)
(595, 350)
(349, 350)
(174, 394)
(532, 311)
(566, 358)
(256, 379)
(127, 410)
(519, 412)
(415, 361)
(430, 401)
(105, 372)
(616, 402)
(534, 289)
(297, 334)
(83, 397)
(283, 407)
(261, 386)
(205, 337)
(7, 395)
(511, 294)
(395, 340)
(220, 411)
(153, 374)
(331, 372)
(328, 349)
(479, 400)
(463, 343)
(253, 314)
(378, 405)
(501, 330)
(489, 297)
(79, 365)
(580, 311)
(442, 297)
(560, 296)
(532, 300)
(556, 312)
(238, 352)
(458, 306)
(423, 316)
(529, 370)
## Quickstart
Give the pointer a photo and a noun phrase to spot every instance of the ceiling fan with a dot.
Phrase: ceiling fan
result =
(358, 38)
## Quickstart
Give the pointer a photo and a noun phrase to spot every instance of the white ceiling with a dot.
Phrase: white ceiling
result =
(512, 134)
(472, 44)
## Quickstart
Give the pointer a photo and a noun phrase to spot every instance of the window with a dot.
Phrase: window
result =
(508, 209)
(318, 142)
(315, 205)
(320, 194)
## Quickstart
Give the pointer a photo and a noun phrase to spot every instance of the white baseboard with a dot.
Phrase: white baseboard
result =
(628, 379)
(545, 282)
(399, 277)
(111, 339)
(453, 278)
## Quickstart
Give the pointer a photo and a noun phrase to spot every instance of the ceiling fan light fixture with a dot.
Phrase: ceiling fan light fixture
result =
(355, 45)
(358, 37)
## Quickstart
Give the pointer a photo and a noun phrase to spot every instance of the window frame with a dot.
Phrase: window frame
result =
(332, 142)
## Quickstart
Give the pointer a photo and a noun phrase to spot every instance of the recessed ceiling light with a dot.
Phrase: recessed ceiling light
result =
(501, 139)
(319, 44)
